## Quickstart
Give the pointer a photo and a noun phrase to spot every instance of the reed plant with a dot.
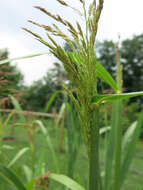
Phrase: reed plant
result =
(83, 70)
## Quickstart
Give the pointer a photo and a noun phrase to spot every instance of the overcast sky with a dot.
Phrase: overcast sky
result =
(122, 17)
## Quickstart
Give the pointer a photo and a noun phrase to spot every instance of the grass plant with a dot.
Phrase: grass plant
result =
(83, 70)
(40, 168)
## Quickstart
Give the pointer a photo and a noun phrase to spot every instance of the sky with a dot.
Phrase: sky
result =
(122, 17)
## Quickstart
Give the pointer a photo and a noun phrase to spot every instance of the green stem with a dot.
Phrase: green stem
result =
(118, 131)
(94, 176)
(118, 144)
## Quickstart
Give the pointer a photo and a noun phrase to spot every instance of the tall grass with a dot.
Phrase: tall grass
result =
(83, 70)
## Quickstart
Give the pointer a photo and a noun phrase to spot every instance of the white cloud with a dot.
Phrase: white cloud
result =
(32, 68)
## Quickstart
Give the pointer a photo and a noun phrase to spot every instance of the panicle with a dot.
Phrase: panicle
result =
(62, 2)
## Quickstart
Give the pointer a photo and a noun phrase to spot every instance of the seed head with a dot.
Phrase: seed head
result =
(45, 11)
(62, 2)
(34, 34)
(35, 23)
(82, 1)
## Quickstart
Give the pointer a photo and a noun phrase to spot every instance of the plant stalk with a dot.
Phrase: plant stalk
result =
(118, 133)
(118, 144)
(94, 175)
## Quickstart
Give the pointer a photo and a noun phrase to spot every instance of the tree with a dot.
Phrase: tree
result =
(10, 79)
(131, 58)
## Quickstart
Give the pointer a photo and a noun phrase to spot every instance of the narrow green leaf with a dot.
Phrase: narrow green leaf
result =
(18, 108)
(104, 75)
(68, 182)
(49, 143)
(42, 127)
(114, 97)
(18, 156)
(4, 180)
(28, 172)
(8, 147)
(8, 118)
(128, 135)
(31, 184)
(11, 177)
(104, 130)
(23, 57)
(60, 114)
(15, 103)
(130, 148)
(52, 98)
(110, 148)
(40, 166)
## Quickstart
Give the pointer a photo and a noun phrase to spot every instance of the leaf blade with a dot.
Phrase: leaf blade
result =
(17, 156)
(23, 57)
(130, 150)
(18, 108)
(51, 100)
(110, 148)
(68, 182)
(104, 75)
(11, 177)
(99, 98)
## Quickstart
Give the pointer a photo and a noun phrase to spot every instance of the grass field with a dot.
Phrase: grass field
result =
(42, 150)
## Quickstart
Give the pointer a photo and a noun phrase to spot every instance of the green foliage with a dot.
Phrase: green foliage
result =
(83, 70)
(17, 156)
(52, 98)
(45, 145)
(68, 182)
(130, 114)
(132, 135)
(73, 141)
(97, 99)
(131, 59)
(10, 177)
(6, 60)
(3, 124)
(49, 143)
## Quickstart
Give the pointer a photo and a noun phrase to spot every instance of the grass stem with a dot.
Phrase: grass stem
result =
(94, 176)
(118, 144)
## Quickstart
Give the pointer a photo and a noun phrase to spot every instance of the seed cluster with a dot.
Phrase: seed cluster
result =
(80, 65)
